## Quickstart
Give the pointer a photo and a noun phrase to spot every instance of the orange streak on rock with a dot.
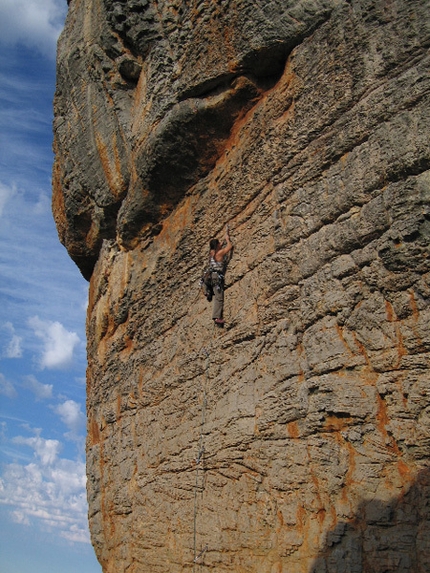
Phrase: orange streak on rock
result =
(383, 421)
(293, 430)
(58, 206)
(335, 424)
(173, 226)
(93, 431)
(415, 311)
(112, 169)
(404, 470)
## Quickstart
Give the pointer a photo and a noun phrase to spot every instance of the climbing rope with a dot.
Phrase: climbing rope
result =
(199, 481)
(200, 463)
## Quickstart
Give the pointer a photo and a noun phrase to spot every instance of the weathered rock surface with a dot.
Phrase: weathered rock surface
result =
(297, 439)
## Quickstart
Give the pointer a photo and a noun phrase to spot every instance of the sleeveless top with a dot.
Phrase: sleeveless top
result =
(217, 266)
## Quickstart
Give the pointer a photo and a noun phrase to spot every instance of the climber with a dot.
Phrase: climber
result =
(213, 283)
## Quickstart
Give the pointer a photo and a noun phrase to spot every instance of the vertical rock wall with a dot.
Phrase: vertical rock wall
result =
(297, 438)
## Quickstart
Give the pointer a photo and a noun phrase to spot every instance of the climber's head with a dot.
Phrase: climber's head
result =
(214, 244)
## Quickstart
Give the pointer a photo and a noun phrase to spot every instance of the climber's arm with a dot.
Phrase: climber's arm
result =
(222, 252)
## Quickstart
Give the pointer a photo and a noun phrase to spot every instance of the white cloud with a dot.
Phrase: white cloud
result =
(3, 430)
(5, 195)
(36, 273)
(45, 450)
(20, 517)
(6, 387)
(13, 348)
(72, 416)
(41, 391)
(34, 23)
(48, 492)
(77, 534)
(59, 343)
(43, 205)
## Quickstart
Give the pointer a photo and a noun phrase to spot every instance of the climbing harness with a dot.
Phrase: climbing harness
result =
(212, 278)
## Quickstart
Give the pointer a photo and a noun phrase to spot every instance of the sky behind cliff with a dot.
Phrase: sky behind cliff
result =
(43, 511)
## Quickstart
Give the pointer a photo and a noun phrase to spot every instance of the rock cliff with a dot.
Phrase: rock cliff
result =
(297, 438)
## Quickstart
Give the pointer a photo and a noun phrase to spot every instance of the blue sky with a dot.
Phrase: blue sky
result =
(43, 511)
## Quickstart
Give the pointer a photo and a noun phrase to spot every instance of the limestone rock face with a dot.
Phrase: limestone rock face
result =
(297, 438)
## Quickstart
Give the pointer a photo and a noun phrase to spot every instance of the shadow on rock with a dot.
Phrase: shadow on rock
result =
(384, 537)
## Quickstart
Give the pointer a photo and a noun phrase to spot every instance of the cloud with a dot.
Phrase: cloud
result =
(20, 517)
(45, 450)
(34, 23)
(41, 391)
(59, 343)
(72, 416)
(48, 492)
(13, 348)
(7, 388)
(5, 194)
(36, 273)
